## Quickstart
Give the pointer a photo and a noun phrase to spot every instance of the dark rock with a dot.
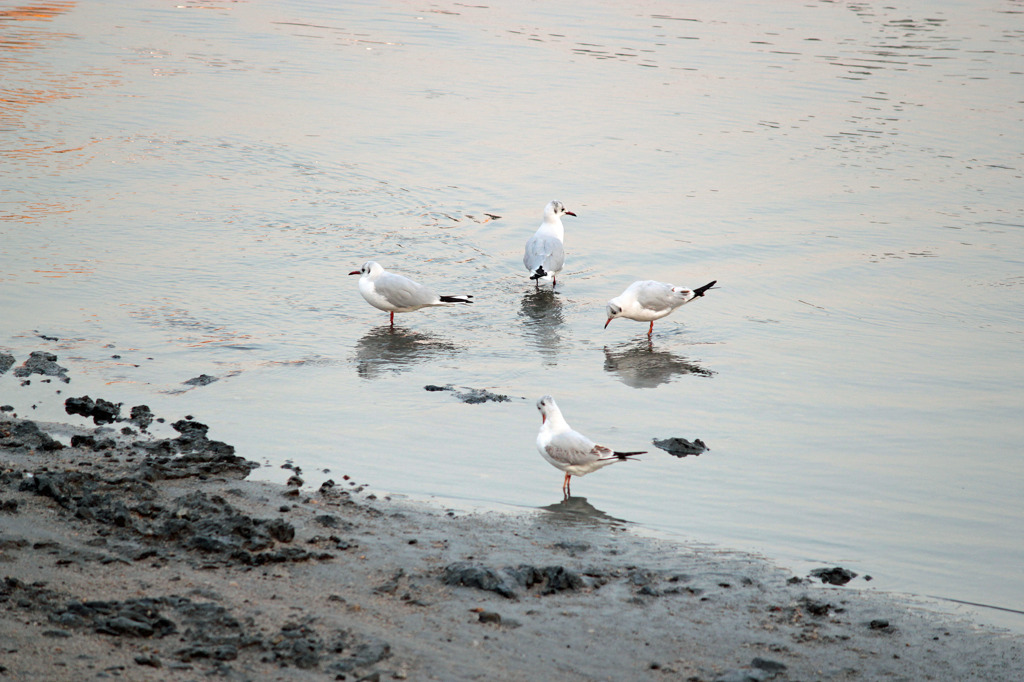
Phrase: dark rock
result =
(121, 625)
(102, 411)
(391, 586)
(6, 408)
(62, 634)
(560, 579)
(525, 575)
(191, 432)
(41, 362)
(879, 624)
(327, 520)
(201, 380)
(490, 617)
(475, 396)
(90, 442)
(680, 447)
(573, 548)
(105, 412)
(281, 530)
(198, 522)
(6, 361)
(27, 434)
(151, 661)
(80, 441)
(132, 618)
(551, 579)
(468, 574)
(834, 576)
(200, 456)
(141, 416)
(815, 608)
(83, 406)
(298, 645)
(472, 396)
(768, 665)
(643, 578)
(369, 652)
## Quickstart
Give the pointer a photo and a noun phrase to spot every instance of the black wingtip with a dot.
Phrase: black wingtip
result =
(539, 272)
(700, 290)
(627, 455)
(456, 299)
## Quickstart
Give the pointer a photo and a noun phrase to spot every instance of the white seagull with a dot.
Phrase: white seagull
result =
(396, 293)
(545, 254)
(647, 300)
(569, 450)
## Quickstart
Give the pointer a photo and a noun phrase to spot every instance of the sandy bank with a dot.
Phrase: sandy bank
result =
(128, 556)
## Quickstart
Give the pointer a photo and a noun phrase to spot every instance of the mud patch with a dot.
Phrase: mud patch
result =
(680, 447)
(471, 396)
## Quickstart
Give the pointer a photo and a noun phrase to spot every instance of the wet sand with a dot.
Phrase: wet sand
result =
(124, 555)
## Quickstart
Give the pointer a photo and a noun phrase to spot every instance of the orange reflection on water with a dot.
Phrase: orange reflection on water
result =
(20, 37)
(43, 11)
(32, 212)
(59, 270)
(32, 76)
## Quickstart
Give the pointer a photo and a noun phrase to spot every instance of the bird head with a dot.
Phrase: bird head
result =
(613, 311)
(368, 268)
(555, 209)
(546, 405)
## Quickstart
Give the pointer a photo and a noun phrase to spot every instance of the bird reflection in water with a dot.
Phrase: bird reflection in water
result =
(394, 349)
(577, 511)
(639, 365)
(541, 310)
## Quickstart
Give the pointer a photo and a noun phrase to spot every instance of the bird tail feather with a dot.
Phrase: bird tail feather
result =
(700, 291)
(627, 455)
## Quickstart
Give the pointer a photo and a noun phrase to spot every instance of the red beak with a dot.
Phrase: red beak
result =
(570, 213)
(543, 418)
(608, 322)
(356, 272)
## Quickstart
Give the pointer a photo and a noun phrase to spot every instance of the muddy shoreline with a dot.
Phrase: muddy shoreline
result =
(126, 555)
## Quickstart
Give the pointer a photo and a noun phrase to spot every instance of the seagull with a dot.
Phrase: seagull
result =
(647, 300)
(545, 254)
(396, 293)
(569, 450)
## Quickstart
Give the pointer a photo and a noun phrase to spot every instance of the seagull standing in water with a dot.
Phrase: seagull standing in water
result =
(397, 294)
(545, 254)
(647, 301)
(569, 450)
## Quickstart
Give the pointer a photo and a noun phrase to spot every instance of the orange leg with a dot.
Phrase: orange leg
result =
(393, 319)
(565, 485)
(651, 330)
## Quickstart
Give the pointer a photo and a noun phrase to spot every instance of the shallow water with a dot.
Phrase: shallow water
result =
(186, 186)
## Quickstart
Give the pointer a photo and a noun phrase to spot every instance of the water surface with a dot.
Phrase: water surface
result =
(186, 186)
